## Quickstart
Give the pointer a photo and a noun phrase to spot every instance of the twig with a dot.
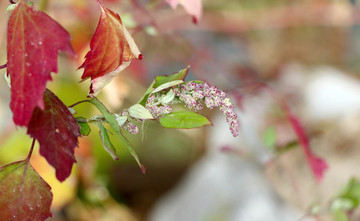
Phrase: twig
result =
(3, 66)
(31, 149)
(79, 102)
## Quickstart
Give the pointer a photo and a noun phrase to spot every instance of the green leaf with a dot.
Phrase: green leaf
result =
(111, 119)
(120, 119)
(108, 146)
(72, 110)
(351, 192)
(7, 79)
(181, 75)
(148, 91)
(140, 112)
(84, 126)
(11, 7)
(197, 81)
(183, 120)
(167, 85)
(168, 97)
(343, 204)
(30, 3)
(159, 80)
(269, 138)
(339, 215)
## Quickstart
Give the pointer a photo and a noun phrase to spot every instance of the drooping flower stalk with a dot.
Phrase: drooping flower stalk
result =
(194, 95)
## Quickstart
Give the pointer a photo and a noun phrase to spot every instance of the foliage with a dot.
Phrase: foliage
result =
(346, 201)
(34, 41)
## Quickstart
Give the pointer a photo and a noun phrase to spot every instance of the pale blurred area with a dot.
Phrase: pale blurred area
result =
(307, 51)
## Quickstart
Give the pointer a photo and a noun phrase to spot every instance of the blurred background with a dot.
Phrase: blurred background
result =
(305, 52)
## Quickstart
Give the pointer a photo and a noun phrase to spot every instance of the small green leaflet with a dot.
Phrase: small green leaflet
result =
(72, 110)
(108, 146)
(84, 127)
(7, 79)
(120, 119)
(11, 7)
(181, 75)
(168, 97)
(159, 80)
(339, 215)
(140, 112)
(111, 119)
(347, 200)
(167, 85)
(269, 138)
(148, 91)
(183, 120)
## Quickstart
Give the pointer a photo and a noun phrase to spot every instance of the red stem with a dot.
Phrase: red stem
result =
(31, 150)
(79, 102)
(12, 2)
(3, 66)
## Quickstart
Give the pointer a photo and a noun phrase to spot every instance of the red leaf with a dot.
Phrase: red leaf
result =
(34, 40)
(192, 7)
(57, 131)
(317, 164)
(24, 195)
(111, 50)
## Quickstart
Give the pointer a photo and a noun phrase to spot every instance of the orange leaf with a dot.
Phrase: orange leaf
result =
(111, 50)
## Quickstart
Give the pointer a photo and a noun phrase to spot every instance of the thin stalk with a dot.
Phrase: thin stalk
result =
(90, 120)
(31, 150)
(3, 66)
(79, 102)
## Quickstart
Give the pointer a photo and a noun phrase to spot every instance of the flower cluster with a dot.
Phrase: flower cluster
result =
(156, 107)
(123, 121)
(131, 128)
(194, 95)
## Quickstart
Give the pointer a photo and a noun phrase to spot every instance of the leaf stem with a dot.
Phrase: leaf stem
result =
(3, 66)
(79, 102)
(90, 120)
(82, 120)
(31, 150)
